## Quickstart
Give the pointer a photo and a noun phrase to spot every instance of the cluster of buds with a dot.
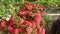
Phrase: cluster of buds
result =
(29, 21)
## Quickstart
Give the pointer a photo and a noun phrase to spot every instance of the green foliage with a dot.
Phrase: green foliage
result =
(48, 19)
(52, 2)
(2, 10)
(47, 2)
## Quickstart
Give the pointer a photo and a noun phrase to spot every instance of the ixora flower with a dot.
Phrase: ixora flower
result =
(22, 13)
(25, 21)
(20, 29)
(40, 8)
(37, 17)
(41, 30)
(21, 21)
(33, 5)
(11, 20)
(29, 13)
(3, 23)
(16, 31)
(29, 30)
(29, 20)
(29, 7)
(22, 9)
(13, 31)
(29, 23)
(10, 28)
(26, 3)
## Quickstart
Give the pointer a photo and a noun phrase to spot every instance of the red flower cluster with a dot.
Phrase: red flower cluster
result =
(2, 24)
(30, 17)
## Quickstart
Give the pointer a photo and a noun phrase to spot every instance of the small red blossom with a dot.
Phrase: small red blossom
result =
(29, 20)
(37, 17)
(22, 9)
(33, 5)
(40, 8)
(26, 3)
(29, 13)
(11, 20)
(10, 28)
(20, 29)
(29, 30)
(16, 31)
(29, 7)
(29, 23)
(3, 23)
(21, 21)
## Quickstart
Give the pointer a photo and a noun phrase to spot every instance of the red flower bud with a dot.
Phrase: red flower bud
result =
(16, 31)
(29, 20)
(11, 20)
(13, 31)
(42, 31)
(3, 23)
(37, 17)
(40, 8)
(29, 30)
(10, 28)
(21, 21)
(33, 5)
(20, 29)
(29, 13)
(29, 7)
(21, 13)
(29, 23)
(22, 9)
(26, 3)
